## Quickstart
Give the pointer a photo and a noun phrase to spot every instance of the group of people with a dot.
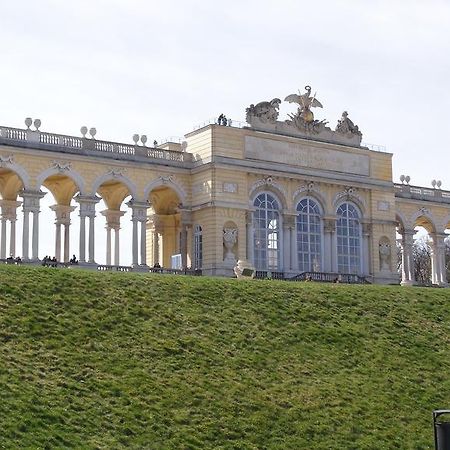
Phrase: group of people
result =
(50, 261)
(222, 120)
(11, 260)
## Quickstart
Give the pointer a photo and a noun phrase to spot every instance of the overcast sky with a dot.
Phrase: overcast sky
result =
(161, 68)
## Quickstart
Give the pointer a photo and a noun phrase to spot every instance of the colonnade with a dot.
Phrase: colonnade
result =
(87, 214)
(438, 269)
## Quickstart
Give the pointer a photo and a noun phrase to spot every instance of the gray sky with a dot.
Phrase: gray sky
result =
(160, 68)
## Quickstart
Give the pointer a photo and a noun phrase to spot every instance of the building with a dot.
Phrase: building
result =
(290, 196)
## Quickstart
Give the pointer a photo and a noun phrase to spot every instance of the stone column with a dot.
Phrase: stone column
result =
(112, 223)
(9, 214)
(31, 201)
(185, 223)
(366, 234)
(139, 215)
(288, 247)
(62, 213)
(250, 236)
(438, 270)
(408, 278)
(87, 209)
(329, 245)
(3, 238)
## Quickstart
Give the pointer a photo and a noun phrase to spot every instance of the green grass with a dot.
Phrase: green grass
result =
(105, 361)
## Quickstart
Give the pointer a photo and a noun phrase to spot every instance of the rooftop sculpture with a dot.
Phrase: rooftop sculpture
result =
(264, 116)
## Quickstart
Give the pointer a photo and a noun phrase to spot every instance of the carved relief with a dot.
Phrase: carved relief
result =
(229, 187)
(6, 160)
(117, 172)
(267, 181)
(349, 193)
(62, 166)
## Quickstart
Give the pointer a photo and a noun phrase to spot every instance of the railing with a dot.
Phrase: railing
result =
(421, 193)
(374, 147)
(213, 121)
(108, 268)
(269, 275)
(330, 277)
(73, 144)
(191, 272)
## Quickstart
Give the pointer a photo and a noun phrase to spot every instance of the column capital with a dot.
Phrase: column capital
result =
(62, 213)
(112, 218)
(329, 224)
(87, 205)
(289, 220)
(31, 199)
(139, 210)
(366, 228)
(249, 217)
(9, 209)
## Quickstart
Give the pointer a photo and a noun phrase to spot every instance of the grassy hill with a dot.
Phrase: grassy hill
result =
(136, 361)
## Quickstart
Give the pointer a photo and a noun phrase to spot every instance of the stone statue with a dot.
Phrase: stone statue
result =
(264, 111)
(304, 118)
(346, 126)
(229, 239)
(385, 255)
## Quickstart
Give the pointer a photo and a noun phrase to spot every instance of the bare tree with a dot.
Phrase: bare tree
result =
(422, 260)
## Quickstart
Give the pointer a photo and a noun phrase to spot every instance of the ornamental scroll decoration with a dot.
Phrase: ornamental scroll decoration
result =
(349, 193)
(267, 181)
(62, 166)
(6, 160)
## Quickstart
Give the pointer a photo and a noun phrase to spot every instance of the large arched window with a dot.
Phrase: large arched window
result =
(348, 230)
(266, 241)
(198, 247)
(309, 236)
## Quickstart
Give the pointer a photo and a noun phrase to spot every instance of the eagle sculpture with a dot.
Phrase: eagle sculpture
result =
(306, 102)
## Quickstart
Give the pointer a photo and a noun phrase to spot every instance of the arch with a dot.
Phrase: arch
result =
(401, 219)
(350, 196)
(309, 234)
(274, 194)
(428, 222)
(8, 163)
(267, 185)
(311, 196)
(109, 176)
(310, 192)
(166, 182)
(70, 173)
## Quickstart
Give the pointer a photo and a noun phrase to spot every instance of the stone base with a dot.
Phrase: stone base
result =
(385, 278)
(140, 268)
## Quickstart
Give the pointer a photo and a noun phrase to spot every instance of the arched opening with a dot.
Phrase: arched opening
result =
(11, 185)
(168, 225)
(309, 235)
(267, 232)
(349, 238)
(113, 240)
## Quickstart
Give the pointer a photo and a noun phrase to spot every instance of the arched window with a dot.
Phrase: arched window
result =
(266, 241)
(309, 236)
(348, 230)
(198, 247)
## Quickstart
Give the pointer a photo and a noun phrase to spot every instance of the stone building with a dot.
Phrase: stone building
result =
(290, 196)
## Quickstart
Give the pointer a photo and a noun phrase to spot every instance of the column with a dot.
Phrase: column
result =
(144, 241)
(108, 245)
(250, 236)
(25, 234)
(31, 202)
(3, 239)
(9, 213)
(408, 277)
(58, 242)
(155, 245)
(139, 215)
(185, 223)
(366, 233)
(62, 219)
(91, 259)
(288, 225)
(438, 270)
(87, 210)
(329, 245)
(82, 242)
(116, 247)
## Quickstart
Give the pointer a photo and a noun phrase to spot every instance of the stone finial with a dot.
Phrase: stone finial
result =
(83, 131)
(28, 122)
(92, 132)
(135, 139)
(37, 123)
(144, 139)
